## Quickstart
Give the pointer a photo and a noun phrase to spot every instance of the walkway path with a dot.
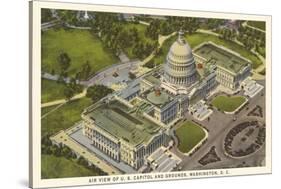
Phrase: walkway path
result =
(54, 77)
(62, 101)
(78, 27)
(46, 114)
(144, 23)
(252, 27)
(208, 32)
(47, 25)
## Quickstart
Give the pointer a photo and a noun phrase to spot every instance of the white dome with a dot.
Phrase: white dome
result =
(180, 66)
(181, 50)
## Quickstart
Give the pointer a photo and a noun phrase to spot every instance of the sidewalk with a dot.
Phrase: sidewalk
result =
(62, 101)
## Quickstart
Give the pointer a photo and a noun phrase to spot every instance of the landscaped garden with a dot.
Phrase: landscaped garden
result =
(189, 135)
(228, 104)
(80, 45)
(245, 138)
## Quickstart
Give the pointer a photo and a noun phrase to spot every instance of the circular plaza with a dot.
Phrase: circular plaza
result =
(244, 139)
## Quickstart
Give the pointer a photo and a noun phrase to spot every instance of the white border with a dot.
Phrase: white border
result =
(35, 91)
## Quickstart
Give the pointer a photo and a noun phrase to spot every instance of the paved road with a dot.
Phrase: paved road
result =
(47, 25)
(101, 76)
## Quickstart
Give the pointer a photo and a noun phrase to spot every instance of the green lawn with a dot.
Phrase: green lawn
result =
(257, 24)
(198, 38)
(189, 134)
(64, 117)
(228, 104)
(51, 90)
(60, 167)
(80, 45)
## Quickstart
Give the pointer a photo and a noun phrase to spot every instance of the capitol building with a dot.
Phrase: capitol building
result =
(131, 125)
(180, 68)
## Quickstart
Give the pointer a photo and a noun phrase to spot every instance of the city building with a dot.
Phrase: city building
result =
(132, 124)
(231, 68)
(120, 130)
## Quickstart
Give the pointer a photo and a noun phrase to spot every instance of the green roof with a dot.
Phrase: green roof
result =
(158, 99)
(153, 78)
(221, 57)
(123, 122)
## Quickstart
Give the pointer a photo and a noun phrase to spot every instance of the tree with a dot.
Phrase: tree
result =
(213, 23)
(74, 85)
(165, 29)
(82, 161)
(85, 71)
(190, 24)
(153, 30)
(45, 140)
(97, 92)
(68, 16)
(132, 76)
(56, 150)
(68, 93)
(53, 72)
(134, 35)
(66, 152)
(150, 64)
(64, 61)
(46, 15)
(123, 39)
